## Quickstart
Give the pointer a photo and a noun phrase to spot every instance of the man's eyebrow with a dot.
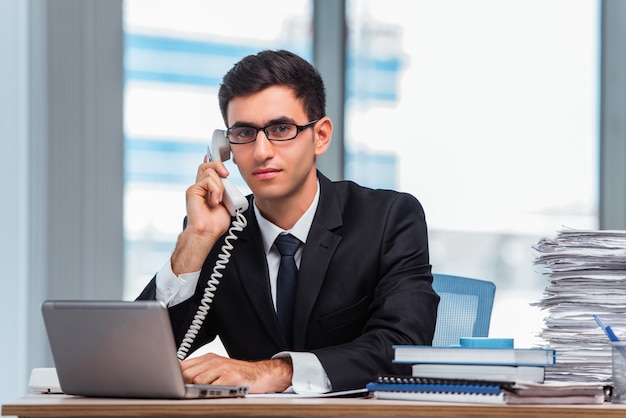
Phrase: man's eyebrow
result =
(240, 124)
(282, 119)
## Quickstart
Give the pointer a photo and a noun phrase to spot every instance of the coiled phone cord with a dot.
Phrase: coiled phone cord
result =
(238, 224)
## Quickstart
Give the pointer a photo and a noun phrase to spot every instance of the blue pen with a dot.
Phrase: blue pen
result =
(607, 329)
(609, 332)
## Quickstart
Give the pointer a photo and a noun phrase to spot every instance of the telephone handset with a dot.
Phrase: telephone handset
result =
(233, 199)
(236, 203)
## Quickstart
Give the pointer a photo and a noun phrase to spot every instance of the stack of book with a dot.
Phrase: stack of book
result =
(436, 390)
(477, 363)
(480, 375)
(462, 374)
(412, 388)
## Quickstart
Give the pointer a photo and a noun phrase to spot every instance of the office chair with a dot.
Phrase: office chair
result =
(464, 309)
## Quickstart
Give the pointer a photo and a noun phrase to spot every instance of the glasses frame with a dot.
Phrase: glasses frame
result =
(299, 128)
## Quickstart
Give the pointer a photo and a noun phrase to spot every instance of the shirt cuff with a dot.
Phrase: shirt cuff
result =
(309, 377)
(172, 289)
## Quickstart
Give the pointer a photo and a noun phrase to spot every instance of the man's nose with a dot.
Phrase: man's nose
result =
(263, 147)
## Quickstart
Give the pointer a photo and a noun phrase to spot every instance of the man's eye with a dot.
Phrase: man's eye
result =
(281, 129)
(244, 132)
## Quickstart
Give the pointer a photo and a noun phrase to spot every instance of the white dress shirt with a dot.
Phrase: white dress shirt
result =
(308, 374)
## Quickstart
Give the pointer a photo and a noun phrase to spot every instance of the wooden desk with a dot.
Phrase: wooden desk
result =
(69, 406)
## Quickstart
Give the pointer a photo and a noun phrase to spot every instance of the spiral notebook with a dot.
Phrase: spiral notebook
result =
(436, 390)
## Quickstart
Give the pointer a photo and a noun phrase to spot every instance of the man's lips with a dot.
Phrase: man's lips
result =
(266, 173)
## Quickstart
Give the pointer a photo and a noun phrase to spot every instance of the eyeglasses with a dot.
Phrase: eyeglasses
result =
(281, 131)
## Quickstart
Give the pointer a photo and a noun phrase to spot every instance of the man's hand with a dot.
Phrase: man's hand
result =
(207, 218)
(260, 376)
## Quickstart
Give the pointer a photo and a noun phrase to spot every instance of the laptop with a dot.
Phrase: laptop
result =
(120, 349)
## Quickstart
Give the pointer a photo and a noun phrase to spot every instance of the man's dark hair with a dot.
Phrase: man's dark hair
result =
(275, 68)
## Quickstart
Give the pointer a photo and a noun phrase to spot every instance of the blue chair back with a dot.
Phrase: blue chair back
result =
(464, 309)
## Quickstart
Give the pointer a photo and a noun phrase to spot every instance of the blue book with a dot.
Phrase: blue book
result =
(482, 398)
(488, 372)
(474, 355)
(434, 387)
(417, 389)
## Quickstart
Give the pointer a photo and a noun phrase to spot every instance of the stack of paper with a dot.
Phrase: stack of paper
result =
(587, 273)
(555, 393)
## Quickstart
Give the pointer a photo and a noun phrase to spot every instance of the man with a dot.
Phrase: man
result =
(363, 278)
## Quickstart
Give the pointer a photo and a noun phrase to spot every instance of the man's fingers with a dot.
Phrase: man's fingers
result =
(212, 168)
(198, 371)
(260, 376)
(211, 369)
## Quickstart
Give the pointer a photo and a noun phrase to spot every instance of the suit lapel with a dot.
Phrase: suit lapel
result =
(320, 246)
(251, 267)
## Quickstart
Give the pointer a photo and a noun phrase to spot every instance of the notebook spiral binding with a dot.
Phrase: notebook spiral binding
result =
(389, 383)
(414, 380)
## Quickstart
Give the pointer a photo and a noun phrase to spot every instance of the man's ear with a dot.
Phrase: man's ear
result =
(323, 133)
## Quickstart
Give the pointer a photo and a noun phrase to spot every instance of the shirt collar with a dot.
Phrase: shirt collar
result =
(269, 231)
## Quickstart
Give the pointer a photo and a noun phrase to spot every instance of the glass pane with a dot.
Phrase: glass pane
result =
(176, 53)
(486, 111)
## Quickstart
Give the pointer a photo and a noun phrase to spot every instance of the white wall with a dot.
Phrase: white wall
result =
(13, 186)
(61, 162)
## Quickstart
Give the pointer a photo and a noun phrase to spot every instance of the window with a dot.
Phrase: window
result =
(486, 111)
(175, 56)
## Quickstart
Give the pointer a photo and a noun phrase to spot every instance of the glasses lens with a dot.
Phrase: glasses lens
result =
(282, 131)
(241, 134)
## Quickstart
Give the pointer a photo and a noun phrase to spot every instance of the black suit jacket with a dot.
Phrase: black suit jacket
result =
(364, 284)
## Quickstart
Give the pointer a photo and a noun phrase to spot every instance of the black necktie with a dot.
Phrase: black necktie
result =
(287, 246)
